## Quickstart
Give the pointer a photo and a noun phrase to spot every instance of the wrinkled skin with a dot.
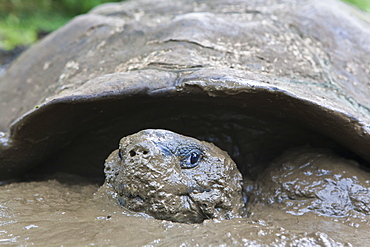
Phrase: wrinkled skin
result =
(318, 181)
(173, 177)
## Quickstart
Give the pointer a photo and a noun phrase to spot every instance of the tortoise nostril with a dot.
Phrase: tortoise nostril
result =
(140, 151)
(132, 153)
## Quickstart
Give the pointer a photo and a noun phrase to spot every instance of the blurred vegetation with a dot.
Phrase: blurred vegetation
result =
(22, 21)
(362, 4)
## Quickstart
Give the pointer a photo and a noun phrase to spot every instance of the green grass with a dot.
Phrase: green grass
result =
(362, 4)
(22, 30)
(22, 20)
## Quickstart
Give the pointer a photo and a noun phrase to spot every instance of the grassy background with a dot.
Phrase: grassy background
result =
(362, 4)
(22, 21)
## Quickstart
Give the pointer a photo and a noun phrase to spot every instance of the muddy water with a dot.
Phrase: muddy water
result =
(52, 213)
(71, 212)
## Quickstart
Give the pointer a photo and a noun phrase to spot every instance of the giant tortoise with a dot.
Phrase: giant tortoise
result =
(255, 78)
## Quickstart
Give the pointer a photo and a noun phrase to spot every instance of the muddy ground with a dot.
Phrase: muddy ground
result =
(323, 208)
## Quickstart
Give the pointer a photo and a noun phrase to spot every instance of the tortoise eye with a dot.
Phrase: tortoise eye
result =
(120, 154)
(191, 160)
(194, 158)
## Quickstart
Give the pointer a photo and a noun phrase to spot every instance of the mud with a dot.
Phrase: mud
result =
(70, 211)
(59, 214)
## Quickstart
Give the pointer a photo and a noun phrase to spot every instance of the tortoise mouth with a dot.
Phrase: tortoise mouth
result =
(180, 207)
(253, 129)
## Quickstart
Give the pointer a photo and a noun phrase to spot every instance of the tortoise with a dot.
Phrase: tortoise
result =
(181, 179)
(313, 180)
(255, 78)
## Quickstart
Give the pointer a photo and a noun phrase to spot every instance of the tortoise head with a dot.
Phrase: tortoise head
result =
(174, 177)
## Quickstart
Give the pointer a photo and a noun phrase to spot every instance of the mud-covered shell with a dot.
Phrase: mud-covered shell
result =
(146, 63)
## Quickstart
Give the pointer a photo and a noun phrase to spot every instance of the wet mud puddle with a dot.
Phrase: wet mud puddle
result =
(298, 201)
(53, 213)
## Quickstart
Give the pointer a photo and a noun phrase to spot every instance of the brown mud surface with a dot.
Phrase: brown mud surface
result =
(69, 212)
(52, 213)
